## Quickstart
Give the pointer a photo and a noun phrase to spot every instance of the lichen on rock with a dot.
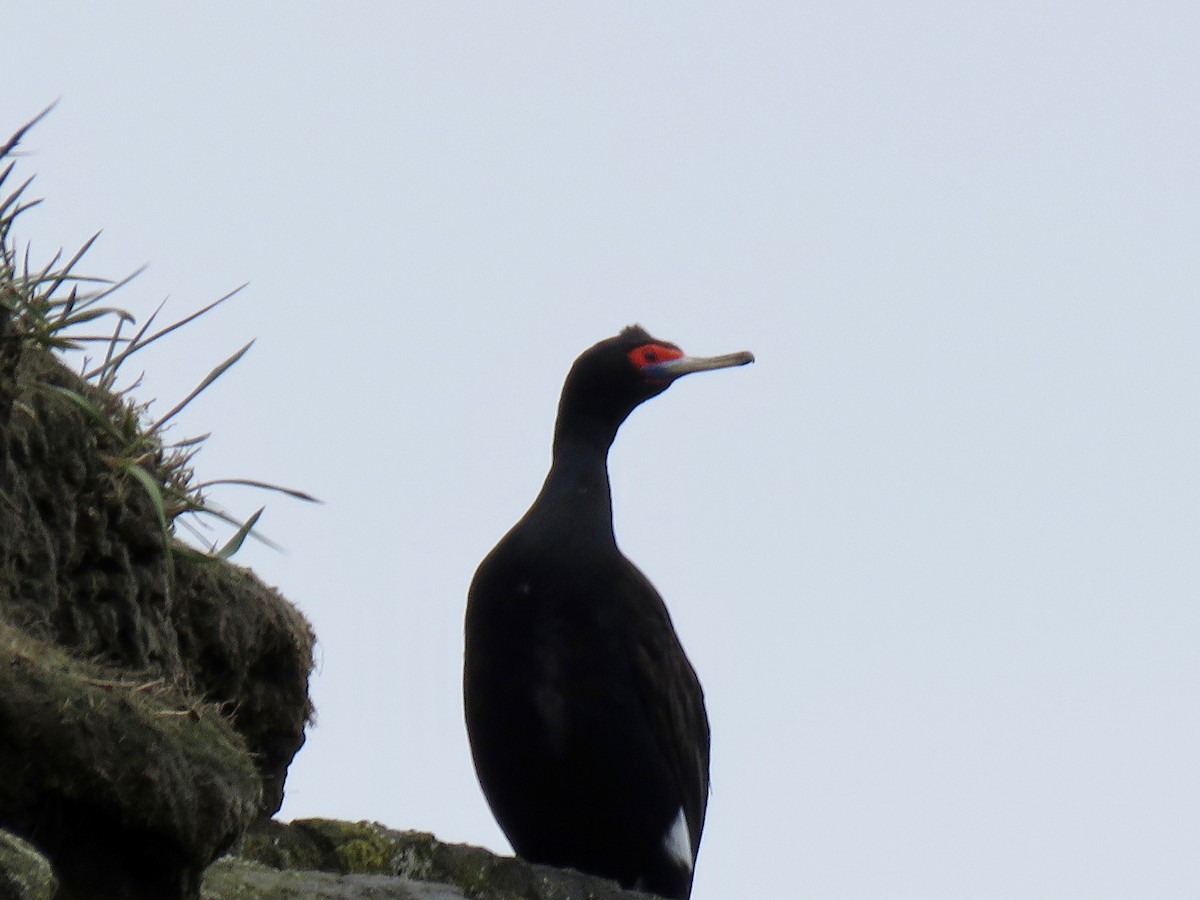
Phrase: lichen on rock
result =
(373, 858)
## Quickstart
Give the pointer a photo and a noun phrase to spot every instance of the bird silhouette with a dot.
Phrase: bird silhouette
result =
(586, 720)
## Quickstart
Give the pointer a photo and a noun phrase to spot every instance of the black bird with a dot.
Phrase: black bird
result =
(586, 719)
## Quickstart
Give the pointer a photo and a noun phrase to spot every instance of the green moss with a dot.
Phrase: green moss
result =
(364, 855)
(151, 697)
(415, 856)
(367, 853)
(80, 733)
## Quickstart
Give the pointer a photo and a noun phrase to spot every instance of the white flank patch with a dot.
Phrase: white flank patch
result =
(678, 841)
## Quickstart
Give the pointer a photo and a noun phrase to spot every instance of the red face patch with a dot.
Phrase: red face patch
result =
(649, 354)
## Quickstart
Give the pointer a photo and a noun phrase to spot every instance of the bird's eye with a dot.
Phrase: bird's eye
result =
(653, 354)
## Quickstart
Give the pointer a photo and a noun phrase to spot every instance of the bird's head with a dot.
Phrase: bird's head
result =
(611, 378)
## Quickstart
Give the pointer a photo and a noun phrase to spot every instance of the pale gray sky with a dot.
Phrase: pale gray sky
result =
(934, 556)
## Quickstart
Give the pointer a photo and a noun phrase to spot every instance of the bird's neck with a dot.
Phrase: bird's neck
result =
(579, 432)
(576, 497)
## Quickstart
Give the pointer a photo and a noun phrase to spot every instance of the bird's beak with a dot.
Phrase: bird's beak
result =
(686, 365)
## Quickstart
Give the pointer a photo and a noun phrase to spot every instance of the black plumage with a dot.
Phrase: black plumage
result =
(586, 719)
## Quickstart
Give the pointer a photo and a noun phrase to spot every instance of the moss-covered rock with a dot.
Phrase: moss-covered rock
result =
(125, 782)
(151, 698)
(370, 857)
(234, 878)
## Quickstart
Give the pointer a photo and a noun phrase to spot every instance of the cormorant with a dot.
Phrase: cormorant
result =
(586, 720)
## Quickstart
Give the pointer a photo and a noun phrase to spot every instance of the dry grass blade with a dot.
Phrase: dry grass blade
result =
(91, 314)
(23, 130)
(108, 369)
(51, 308)
(234, 544)
(192, 442)
(65, 272)
(138, 343)
(220, 514)
(13, 198)
(110, 285)
(196, 391)
(263, 485)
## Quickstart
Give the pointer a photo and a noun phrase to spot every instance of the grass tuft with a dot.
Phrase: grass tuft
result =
(53, 307)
